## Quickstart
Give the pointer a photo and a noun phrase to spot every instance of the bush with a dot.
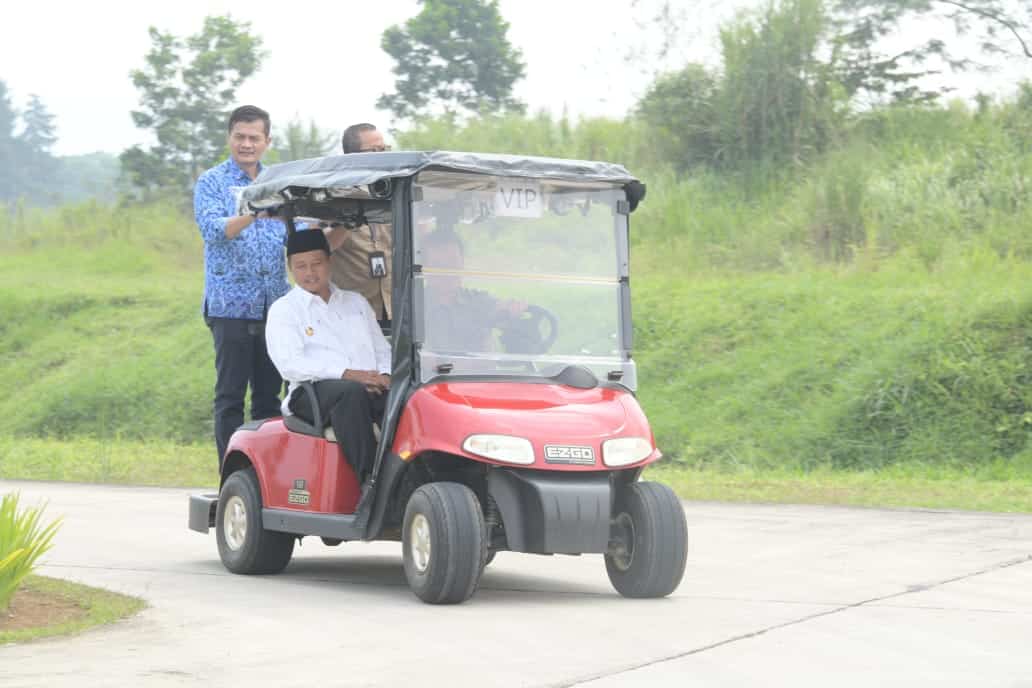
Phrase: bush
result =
(23, 540)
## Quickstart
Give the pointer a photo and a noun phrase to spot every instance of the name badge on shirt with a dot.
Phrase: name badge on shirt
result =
(377, 264)
(309, 331)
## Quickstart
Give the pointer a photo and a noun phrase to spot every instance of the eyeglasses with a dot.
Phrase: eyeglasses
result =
(376, 149)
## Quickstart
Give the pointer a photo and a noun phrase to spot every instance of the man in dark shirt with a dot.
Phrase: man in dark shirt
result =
(459, 319)
(244, 274)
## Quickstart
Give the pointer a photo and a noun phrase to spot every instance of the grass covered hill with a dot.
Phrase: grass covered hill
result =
(868, 309)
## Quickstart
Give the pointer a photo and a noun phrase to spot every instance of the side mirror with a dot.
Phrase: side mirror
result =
(635, 193)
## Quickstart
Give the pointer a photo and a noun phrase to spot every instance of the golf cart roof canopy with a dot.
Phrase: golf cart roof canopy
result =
(286, 181)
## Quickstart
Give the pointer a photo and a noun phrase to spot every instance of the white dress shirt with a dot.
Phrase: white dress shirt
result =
(310, 339)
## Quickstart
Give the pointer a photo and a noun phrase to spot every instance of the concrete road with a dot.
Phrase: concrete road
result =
(774, 595)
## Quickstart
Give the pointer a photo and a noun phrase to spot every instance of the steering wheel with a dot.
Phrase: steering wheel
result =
(524, 334)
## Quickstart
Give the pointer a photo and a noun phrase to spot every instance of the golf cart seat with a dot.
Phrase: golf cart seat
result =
(331, 436)
(322, 426)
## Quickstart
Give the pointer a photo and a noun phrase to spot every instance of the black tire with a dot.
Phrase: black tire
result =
(490, 557)
(255, 550)
(444, 542)
(650, 524)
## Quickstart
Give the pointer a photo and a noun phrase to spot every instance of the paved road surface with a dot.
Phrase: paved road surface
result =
(774, 595)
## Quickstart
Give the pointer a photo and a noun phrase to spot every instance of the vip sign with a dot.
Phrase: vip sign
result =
(518, 198)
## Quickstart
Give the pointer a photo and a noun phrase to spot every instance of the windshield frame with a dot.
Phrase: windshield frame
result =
(431, 363)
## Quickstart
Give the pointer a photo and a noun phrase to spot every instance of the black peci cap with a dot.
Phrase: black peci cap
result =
(304, 240)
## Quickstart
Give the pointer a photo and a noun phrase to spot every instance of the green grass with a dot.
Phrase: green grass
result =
(115, 462)
(100, 606)
(1001, 487)
(841, 368)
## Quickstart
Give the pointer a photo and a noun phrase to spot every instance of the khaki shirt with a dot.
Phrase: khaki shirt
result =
(350, 265)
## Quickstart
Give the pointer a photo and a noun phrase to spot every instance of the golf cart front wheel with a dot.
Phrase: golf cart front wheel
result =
(649, 543)
(244, 545)
(444, 542)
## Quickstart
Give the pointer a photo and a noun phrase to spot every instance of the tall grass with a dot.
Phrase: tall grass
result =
(23, 540)
(841, 367)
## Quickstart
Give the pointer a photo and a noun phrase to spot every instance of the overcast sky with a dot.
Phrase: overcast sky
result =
(324, 59)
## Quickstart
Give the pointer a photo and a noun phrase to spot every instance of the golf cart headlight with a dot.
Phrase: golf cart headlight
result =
(501, 448)
(625, 451)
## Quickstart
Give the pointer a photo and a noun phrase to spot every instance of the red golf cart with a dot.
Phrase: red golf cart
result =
(511, 421)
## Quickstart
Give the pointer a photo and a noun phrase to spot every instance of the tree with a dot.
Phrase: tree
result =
(680, 109)
(298, 141)
(187, 89)
(453, 54)
(774, 101)
(36, 139)
(1000, 27)
(10, 187)
(38, 133)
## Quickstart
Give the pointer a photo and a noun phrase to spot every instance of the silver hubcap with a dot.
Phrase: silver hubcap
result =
(419, 542)
(623, 552)
(234, 524)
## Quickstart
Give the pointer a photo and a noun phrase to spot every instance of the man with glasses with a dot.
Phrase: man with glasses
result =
(361, 258)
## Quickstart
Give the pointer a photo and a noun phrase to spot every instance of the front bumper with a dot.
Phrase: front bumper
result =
(548, 512)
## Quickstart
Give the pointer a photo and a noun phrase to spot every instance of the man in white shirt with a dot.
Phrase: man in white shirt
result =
(329, 336)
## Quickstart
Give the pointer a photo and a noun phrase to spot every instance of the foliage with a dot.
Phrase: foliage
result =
(23, 540)
(187, 88)
(852, 369)
(681, 110)
(123, 285)
(867, 27)
(38, 166)
(9, 148)
(298, 141)
(775, 102)
(794, 73)
(88, 176)
(27, 166)
(39, 133)
(453, 54)
(594, 138)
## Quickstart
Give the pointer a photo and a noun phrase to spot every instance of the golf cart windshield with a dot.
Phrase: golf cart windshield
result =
(520, 277)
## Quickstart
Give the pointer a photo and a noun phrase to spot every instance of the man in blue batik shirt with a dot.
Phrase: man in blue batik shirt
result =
(244, 274)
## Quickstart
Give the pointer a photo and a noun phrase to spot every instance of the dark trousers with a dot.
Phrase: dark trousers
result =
(351, 411)
(241, 359)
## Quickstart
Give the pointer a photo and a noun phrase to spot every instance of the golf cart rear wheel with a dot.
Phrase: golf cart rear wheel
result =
(649, 543)
(244, 545)
(444, 542)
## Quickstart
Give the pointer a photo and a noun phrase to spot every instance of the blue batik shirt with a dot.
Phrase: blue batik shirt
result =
(243, 275)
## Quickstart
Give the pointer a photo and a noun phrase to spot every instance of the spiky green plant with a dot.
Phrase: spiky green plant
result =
(23, 540)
